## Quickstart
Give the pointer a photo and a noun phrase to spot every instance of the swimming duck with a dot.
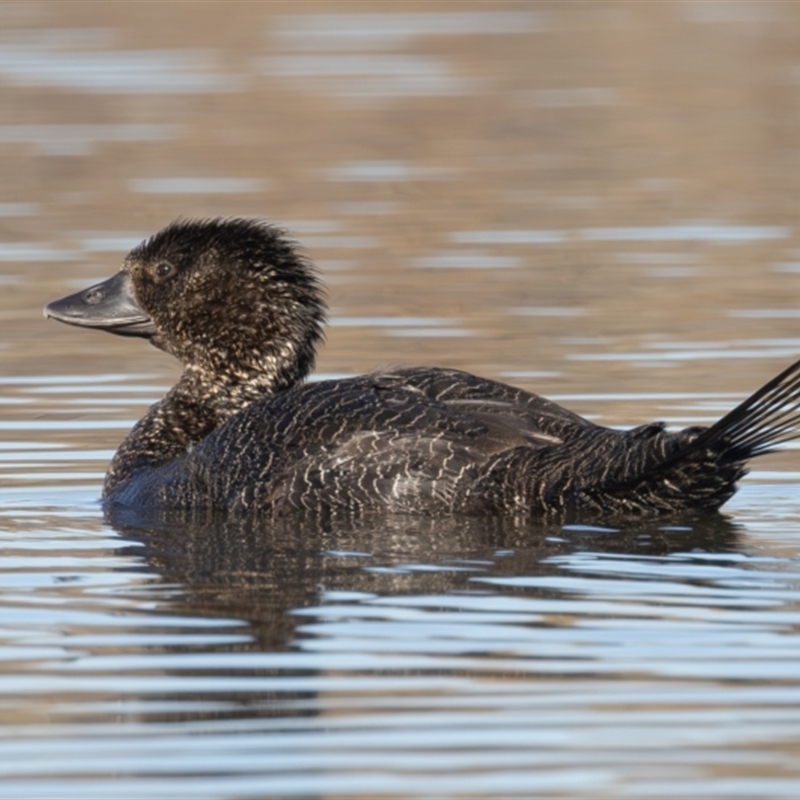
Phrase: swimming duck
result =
(241, 432)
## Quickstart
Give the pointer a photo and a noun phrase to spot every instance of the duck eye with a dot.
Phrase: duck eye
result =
(164, 270)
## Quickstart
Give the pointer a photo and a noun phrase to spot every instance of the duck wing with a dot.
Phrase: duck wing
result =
(404, 440)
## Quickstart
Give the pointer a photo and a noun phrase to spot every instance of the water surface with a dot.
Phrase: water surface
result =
(597, 203)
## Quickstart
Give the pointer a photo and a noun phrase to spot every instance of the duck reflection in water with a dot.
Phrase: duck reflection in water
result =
(261, 570)
(242, 433)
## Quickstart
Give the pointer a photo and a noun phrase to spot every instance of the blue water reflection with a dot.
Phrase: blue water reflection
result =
(283, 659)
(114, 71)
(59, 140)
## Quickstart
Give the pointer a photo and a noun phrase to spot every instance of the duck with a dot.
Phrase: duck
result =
(244, 432)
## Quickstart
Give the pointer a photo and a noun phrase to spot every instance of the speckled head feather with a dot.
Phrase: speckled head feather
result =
(231, 297)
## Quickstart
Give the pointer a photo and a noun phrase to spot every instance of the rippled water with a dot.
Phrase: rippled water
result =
(595, 202)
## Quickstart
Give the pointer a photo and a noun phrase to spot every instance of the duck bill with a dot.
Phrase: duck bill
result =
(109, 306)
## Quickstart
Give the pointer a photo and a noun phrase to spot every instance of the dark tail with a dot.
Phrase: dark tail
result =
(767, 418)
(701, 473)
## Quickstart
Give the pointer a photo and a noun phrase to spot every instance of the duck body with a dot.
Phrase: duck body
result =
(402, 440)
(242, 432)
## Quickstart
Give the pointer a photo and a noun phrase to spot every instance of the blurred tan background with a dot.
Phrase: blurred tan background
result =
(574, 197)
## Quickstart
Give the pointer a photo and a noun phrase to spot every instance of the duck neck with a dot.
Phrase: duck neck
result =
(197, 405)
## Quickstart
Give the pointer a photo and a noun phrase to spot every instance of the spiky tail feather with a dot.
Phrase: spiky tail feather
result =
(702, 474)
(767, 418)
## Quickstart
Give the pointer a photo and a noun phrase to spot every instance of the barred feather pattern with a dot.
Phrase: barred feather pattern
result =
(442, 441)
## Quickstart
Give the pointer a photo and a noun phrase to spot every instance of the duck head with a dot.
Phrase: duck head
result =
(229, 297)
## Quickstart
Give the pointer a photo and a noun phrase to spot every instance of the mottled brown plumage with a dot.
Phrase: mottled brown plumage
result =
(241, 432)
